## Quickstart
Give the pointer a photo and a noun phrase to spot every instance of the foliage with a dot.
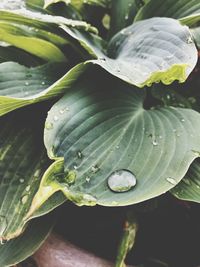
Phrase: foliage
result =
(118, 121)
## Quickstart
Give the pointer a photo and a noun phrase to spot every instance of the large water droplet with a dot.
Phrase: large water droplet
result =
(28, 188)
(121, 181)
(21, 180)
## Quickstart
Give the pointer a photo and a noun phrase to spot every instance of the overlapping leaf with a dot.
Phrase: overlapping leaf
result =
(153, 50)
(100, 127)
(189, 187)
(187, 11)
(16, 250)
(21, 86)
(22, 163)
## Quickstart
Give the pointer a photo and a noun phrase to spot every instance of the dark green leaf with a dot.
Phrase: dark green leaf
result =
(23, 161)
(187, 11)
(189, 187)
(17, 250)
(100, 127)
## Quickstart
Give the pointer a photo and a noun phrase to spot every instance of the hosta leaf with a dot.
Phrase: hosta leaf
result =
(189, 187)
(196, 35)
(42, 21)
(10, 53)
(23, 161)
(21, 86)
(123, 13)
(16, 250)
(186, 11)
(33, 44)
(153, 50)
(100, 131)
(79, 4)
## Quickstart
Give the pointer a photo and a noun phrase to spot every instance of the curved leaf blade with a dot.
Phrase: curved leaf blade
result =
(21, 86)
(92, 137)
(150, 51)
(189, 188)
(23, 161)
(187, 11)
(17, 250)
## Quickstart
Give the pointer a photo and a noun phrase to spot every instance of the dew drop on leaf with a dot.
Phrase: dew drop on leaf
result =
(24, 199)
(171, 181)
(48, 125)
(121, 181)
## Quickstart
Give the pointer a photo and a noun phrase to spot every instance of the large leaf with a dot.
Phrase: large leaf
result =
(21, 86)
(17, 250)
(187, 11)
(23, 161)
(99, 132)
(189, 187)
(153, 50)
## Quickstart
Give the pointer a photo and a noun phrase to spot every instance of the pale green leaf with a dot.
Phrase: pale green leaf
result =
(150, 51)
(101, 127)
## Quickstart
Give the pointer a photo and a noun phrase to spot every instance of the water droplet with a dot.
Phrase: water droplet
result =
(24, 199)
(87, 179)
(182, 120)
(95, 168)
(21, 180)
(189, 40)
(48, 125)
(3, 224)
(155, 143)
(117, 147)
(168, 97)
(70, 178)
(43, 83)
(75, 167)
(26, 83)
(121, 181)
(126, 17)
(171, 181)
(79, 154)
(55, 118)
(28, 188)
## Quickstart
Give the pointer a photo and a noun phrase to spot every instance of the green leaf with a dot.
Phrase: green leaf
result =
(189, 187)
(33, 44)
(79, 4)
(42, 21)
(187, 11)
(10, 53)
(123, 13)
(196, 35)
(21, 86)
(150, 51)
(17, 250)
(101, 127)
(23, 161)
